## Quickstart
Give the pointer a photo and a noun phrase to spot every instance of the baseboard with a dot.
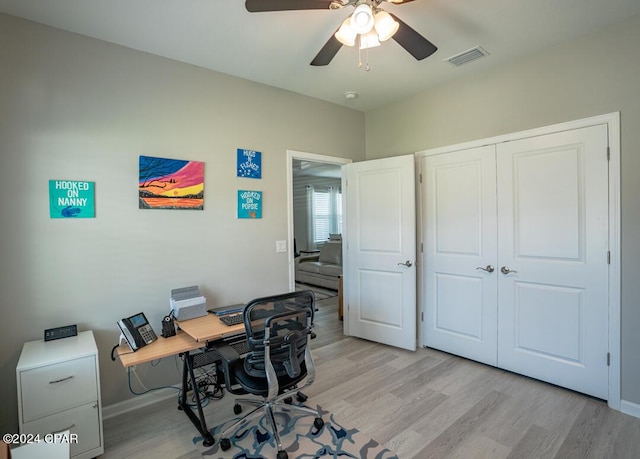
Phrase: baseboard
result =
(630, 408)
(139, 401)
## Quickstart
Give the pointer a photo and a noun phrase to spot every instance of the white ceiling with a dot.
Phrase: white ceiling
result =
(275, 48)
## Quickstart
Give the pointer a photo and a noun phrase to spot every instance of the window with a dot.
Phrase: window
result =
(326, 212)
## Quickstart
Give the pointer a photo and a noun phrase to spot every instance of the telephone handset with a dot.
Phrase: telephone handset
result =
(137, 331)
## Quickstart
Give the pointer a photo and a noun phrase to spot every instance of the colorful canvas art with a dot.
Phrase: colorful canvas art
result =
(170, 184)
(249, 164)
(71, 199)
(249, 204)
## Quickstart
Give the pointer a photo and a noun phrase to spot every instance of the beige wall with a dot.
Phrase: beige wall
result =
(76, 108)
(594, 75)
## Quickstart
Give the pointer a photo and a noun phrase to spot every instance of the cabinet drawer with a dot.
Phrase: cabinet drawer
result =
(52, 388)
(83, 421)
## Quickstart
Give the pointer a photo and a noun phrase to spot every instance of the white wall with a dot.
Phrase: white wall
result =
(590, 76)
(76, 108)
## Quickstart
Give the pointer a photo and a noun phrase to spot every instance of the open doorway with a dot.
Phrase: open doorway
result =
(313, 179)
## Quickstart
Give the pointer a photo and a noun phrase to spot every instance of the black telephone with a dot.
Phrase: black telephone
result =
(137, 331)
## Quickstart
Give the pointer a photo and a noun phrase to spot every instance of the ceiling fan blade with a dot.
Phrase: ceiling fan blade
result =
(415, 44)
(259, 6)
(328, 52)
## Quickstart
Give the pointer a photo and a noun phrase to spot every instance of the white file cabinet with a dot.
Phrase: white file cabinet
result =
(59, 389)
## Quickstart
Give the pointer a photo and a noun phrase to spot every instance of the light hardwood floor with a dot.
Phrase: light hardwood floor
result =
(423, 404)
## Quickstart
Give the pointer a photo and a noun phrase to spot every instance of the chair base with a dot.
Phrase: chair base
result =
(268, 408)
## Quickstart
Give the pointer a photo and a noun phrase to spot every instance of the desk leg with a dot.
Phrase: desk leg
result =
(198, 421)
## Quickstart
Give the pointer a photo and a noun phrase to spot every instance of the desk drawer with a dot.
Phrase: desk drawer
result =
(52, 388)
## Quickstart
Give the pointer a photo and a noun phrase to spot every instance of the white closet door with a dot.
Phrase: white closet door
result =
(553, 232)
(460, 253)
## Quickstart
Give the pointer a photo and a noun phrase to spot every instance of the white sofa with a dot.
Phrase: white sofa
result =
(322, 269)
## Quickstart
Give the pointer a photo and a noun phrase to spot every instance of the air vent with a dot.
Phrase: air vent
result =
(467, 56)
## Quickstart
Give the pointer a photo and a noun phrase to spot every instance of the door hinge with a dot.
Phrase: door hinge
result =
(422, 316)
(420, 177)
(421, 247)
(608, 359)
(608, 154)
(609, 257)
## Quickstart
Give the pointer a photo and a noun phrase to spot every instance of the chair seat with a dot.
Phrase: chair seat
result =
(259, 386)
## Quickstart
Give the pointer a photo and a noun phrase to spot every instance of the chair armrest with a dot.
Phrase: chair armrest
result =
(229, 357)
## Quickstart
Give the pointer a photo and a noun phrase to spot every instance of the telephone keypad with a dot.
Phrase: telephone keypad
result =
(148, 335)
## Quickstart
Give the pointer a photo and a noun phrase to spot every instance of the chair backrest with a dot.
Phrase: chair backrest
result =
(288, 318)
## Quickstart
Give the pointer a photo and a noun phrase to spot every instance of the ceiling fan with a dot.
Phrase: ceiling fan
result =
(368, 22)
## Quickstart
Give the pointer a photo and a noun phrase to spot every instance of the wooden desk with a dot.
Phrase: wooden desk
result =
(163, 347)
(209, 328)
(192, 335)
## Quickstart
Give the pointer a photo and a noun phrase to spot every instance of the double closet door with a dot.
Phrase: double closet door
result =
(516, 256)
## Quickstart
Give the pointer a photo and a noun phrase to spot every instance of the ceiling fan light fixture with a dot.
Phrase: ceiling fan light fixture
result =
(345, 34)
(385, 25)
(362, 19)
(369, 40)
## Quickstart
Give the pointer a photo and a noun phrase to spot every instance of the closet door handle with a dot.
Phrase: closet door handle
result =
(407, 263)
(505, 270)
(488, 268)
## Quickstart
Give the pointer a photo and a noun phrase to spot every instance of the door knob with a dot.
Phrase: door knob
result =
(488, 268)
(505, 270)
(407, 263)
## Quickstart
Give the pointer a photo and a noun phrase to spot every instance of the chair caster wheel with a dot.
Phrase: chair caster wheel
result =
(318, 423)
(237, 409)
(288, 401)
(282, 455)
(301, 397)
(225, 444)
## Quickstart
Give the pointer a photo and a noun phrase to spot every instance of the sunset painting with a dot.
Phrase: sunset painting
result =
(170, 184)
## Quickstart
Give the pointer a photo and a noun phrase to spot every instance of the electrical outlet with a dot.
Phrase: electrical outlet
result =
(281, 246)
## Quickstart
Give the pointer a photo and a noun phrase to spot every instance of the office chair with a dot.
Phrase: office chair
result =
(279, 358)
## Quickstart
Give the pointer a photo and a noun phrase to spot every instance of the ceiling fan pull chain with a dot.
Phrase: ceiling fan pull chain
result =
(366, 54)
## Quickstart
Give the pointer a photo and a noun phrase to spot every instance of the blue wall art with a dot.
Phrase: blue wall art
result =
(249, 204)
(249, 164)
(71, 199)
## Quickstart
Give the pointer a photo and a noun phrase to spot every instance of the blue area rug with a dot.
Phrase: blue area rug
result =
(299, 438)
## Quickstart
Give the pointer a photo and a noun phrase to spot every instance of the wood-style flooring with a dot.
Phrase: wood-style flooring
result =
(424, 404)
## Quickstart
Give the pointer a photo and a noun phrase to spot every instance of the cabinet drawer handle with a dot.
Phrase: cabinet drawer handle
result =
(60, 380)
(62, 430)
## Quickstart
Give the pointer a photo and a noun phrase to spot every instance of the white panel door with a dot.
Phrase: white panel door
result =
(553, 243)
(460, 225)
(380, 275)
